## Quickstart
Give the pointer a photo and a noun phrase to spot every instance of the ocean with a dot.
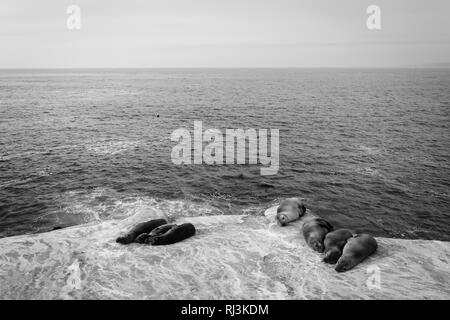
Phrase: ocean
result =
(368, 148)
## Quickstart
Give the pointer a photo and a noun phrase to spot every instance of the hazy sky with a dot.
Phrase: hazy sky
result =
(225, 33)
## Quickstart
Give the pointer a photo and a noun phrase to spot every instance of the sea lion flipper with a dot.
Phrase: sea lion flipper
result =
(141, 238)
(324, 223)
(162, 229)
(303, 209)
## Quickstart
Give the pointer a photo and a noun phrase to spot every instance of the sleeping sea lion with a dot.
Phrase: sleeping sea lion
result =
(290, 210)
(155, 232)
(174, 234)
(314, 231)
(334, 242)
(144, 227)
(357, 248)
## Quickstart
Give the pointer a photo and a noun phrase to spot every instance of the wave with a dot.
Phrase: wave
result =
(77, 207)
(39, 173)
(33, 153)
(368, 150)
(98, 147)
(230, 257)
(110, 147)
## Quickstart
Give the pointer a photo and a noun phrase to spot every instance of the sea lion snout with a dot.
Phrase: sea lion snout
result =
(151, 240)
(123, 240)
(317, 246)
(331, 256)
(282, 220)
(342, 266)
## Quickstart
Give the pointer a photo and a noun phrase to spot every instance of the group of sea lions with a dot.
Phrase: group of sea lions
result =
(157, 232)
(342, 247)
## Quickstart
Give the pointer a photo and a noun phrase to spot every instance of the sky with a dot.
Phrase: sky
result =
(225, 33)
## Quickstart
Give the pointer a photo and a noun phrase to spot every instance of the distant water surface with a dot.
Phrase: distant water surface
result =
(368, 148)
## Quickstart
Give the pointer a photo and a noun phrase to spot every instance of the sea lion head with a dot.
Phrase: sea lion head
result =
(344, 264)
(289, 214)
(282, 219)
(331, 256)
(125, 239)
(151, 240)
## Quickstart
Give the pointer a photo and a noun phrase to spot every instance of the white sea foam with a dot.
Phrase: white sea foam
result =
(367, 171)
(81, 206)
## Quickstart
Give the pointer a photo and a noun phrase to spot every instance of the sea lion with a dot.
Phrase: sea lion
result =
(155, 232)
(357, 248)
(290, 210)
(174, 234)
(314, 231)
(144, 227)
(334, 242)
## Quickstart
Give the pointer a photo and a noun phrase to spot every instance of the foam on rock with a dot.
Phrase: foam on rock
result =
(230, 257)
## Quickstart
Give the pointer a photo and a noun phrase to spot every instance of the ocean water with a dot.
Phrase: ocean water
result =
(369, 149)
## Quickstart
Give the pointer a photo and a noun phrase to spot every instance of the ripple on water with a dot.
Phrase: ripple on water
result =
(105, 147)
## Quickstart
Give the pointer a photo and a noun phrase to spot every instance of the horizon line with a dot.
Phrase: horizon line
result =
(426, 66)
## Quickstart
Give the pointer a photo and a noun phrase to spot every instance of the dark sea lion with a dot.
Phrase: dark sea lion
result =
(357, 248)
(144, 227)
(290, 210)
(175, 234)
(314, 231)
(142, 238)
(334, 242)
